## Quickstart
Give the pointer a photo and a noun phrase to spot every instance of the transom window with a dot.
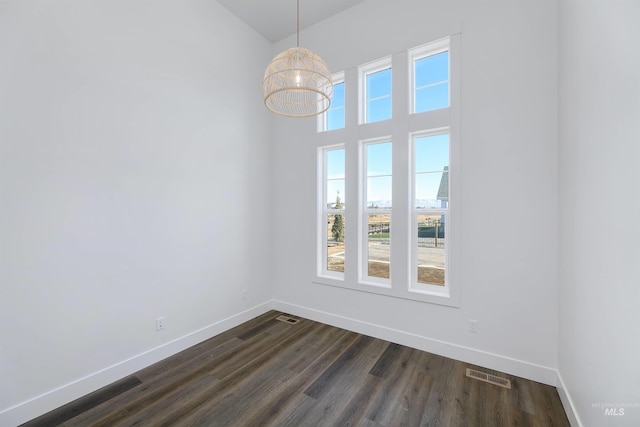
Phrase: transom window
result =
(334, 117)
(375, 90)
(430, 76)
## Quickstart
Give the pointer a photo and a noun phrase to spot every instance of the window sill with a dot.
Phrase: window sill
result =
(438, 297)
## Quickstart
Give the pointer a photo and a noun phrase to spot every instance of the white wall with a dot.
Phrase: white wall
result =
(134, 174)
(599, 107)
(508, 176)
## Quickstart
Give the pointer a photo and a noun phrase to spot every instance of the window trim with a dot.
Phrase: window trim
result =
(414, 285)
(402, 125)
(324, 212)
(364, 212)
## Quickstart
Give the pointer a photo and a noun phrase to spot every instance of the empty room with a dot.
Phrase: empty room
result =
(314, 212)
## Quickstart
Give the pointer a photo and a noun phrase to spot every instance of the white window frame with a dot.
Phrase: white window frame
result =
(365, 211)
(399, 130)
(364, 71)
(323, 118)
(415, 286)
(421, 52)
(324, 212)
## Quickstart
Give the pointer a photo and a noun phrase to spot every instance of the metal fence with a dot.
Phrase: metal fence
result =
(430, 242)
(378, 227)
(423, 242)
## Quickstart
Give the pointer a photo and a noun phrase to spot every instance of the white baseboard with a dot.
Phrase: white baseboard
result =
(496, 362)
(567, 403)
(64, 394)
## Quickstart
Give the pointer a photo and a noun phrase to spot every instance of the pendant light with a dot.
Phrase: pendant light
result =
(297, 82)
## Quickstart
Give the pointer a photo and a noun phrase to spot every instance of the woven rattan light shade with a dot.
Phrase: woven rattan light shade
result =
(297, 83)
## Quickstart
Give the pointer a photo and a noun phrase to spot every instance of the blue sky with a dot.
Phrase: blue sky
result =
(335, 175)
(431, 156)
(379, 172)
(335, 115)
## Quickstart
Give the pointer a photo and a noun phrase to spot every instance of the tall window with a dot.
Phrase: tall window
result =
(333, 212)
(375, 91)
(430, 209)
(398, 165)
(376, 230)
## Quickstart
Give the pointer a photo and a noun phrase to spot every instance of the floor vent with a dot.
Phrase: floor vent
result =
(488, 378)
(287, 319)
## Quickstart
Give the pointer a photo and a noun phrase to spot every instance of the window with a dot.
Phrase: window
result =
(430, 209)
(429, 66)
(375, 91)
(400, 174)
(376, 226)
(334, 117)
(333, 213)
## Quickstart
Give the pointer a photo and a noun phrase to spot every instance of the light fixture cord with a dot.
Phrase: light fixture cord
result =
(298, 23)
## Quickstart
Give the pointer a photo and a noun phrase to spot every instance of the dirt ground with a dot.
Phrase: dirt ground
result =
(433, 276)
(335, 264)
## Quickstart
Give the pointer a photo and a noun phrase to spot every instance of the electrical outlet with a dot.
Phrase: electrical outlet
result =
(244, 294)
(474, 326)
(160, 323)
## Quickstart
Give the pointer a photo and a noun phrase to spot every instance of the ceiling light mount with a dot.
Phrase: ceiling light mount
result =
(297, 82)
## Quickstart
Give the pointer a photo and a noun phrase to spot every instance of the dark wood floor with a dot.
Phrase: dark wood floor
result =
(269, 373)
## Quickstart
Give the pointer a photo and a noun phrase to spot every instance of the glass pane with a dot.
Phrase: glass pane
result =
(335, 242)
(335, 164)
(335, 114)
(432, 172)
(335, 178)
(379, 109)
(379, 192)
(430, 250)
(379, 175)
(335, 118)
(432, 69)
(335, 194)
(378, 253)
(432, 153)
(378, 96)
(379, 84)
(338, 95)
(432, 97)
(432, 190)
(379, 159)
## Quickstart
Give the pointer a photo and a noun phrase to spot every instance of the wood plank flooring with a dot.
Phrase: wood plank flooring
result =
(269, 373)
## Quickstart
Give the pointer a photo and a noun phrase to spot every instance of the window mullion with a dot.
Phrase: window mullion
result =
(352, 178)
(400, 220)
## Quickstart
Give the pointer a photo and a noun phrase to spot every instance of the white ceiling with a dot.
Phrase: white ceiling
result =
(276, 19)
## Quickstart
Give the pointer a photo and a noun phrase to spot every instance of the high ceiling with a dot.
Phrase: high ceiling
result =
(276, 19)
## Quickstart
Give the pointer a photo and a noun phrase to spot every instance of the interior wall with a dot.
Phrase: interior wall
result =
(134, 175)
(599, 210)
(508, 199)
